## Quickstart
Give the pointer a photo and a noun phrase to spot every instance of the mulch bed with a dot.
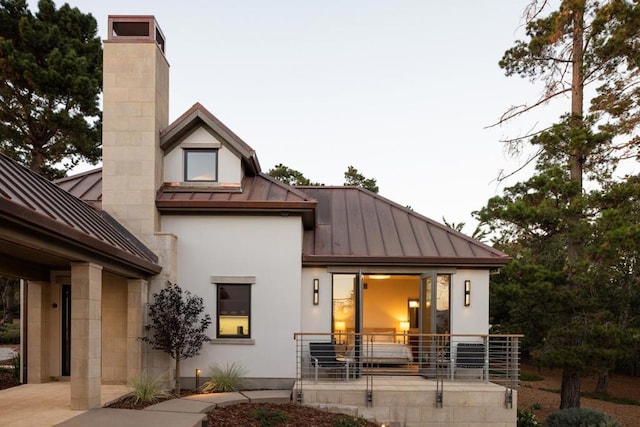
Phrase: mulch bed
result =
(286, 415)
(259, 414)
(7, 379)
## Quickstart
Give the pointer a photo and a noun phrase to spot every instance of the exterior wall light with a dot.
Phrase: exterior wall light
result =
(467, 293)
(316, 291)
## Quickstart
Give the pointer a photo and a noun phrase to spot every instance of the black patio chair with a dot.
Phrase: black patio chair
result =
(471, 356)
(323, 355)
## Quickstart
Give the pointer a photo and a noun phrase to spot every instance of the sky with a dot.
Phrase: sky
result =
(402, 90)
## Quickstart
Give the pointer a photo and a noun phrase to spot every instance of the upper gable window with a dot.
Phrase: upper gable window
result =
(201, 164)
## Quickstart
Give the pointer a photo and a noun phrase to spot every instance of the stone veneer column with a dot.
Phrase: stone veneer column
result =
(39, 307)
(86, 335)
(137, 297)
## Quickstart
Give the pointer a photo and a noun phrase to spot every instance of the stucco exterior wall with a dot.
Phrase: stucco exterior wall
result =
(267, 248)
(475, 318)
(464, 320)
(229, 167)
(316, 318)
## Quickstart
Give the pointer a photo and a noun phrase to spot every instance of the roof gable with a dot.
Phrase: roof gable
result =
(198, 116)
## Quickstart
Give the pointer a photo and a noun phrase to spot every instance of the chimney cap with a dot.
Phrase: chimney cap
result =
(125, 28)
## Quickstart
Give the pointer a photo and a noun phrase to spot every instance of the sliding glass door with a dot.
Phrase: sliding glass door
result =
(435, 307)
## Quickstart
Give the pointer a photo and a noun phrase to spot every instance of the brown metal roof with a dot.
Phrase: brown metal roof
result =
(31, 205)
(259, 193)
(356, 226)
(344, 225)
(86, 186)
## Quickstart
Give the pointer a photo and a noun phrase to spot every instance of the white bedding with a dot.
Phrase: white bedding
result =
(385, 353)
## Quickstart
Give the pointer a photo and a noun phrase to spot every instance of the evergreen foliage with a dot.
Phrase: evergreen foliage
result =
(572, 284)
(354, 178)
(176, 325)
(50, 82)
(580, 417)
(289, 176)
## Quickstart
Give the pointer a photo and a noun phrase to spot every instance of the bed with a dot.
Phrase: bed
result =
(379, 347)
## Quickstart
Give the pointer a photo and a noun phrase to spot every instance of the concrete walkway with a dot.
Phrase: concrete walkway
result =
(45, 404)
(188, 411)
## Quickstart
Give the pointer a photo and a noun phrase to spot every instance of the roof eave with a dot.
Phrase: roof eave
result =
(316, 260)
(283, 208)
(20, 216)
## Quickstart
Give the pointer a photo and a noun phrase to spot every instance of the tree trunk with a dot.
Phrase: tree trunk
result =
(603, 383)
(570, 390)
(177, 390)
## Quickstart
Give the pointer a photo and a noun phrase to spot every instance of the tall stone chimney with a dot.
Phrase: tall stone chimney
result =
(135, 109)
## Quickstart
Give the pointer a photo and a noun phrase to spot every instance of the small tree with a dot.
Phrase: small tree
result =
(177, 327)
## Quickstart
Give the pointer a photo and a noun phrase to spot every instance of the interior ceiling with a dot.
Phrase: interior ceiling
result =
(391, 276)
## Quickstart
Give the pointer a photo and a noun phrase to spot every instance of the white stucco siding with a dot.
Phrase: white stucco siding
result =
(268, 248)
(229, 164)
(464, 320)
(473, 319)
(316, 318)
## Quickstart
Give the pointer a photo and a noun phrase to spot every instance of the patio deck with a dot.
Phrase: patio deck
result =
(410, 401)
(411, 379)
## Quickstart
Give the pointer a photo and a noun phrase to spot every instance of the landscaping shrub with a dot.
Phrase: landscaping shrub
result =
(15, 363)
(346, 421)
(527, 418)
(10, 334)
(268, 417)
(147, 389)
(580, 417)
(526, 376)
(224, 379)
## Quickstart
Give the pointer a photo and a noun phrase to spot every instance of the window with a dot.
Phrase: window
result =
(201, 164)
(234, 308)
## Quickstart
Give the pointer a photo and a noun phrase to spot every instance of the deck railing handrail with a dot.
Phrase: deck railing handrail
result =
(345, 356)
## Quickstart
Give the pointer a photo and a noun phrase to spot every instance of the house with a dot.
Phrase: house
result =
(187, 202)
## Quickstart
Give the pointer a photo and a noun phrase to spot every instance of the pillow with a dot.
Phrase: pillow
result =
(384, 337)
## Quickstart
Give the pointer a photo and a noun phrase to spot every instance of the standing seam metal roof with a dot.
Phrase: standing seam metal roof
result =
(29, 197)
(356, 225)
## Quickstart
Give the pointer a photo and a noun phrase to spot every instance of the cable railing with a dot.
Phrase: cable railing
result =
(443, 358)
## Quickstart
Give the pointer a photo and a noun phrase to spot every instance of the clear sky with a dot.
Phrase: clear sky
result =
(402, 90)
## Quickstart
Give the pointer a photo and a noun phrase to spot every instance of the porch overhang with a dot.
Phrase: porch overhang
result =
(32, 244)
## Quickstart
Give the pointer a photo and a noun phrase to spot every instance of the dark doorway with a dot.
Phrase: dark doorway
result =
(66, 330)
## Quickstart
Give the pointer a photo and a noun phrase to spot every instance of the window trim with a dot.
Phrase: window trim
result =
(185, 162)
(232, 281)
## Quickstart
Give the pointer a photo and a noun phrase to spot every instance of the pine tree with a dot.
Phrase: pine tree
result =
(581, 43)
(50, 82)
